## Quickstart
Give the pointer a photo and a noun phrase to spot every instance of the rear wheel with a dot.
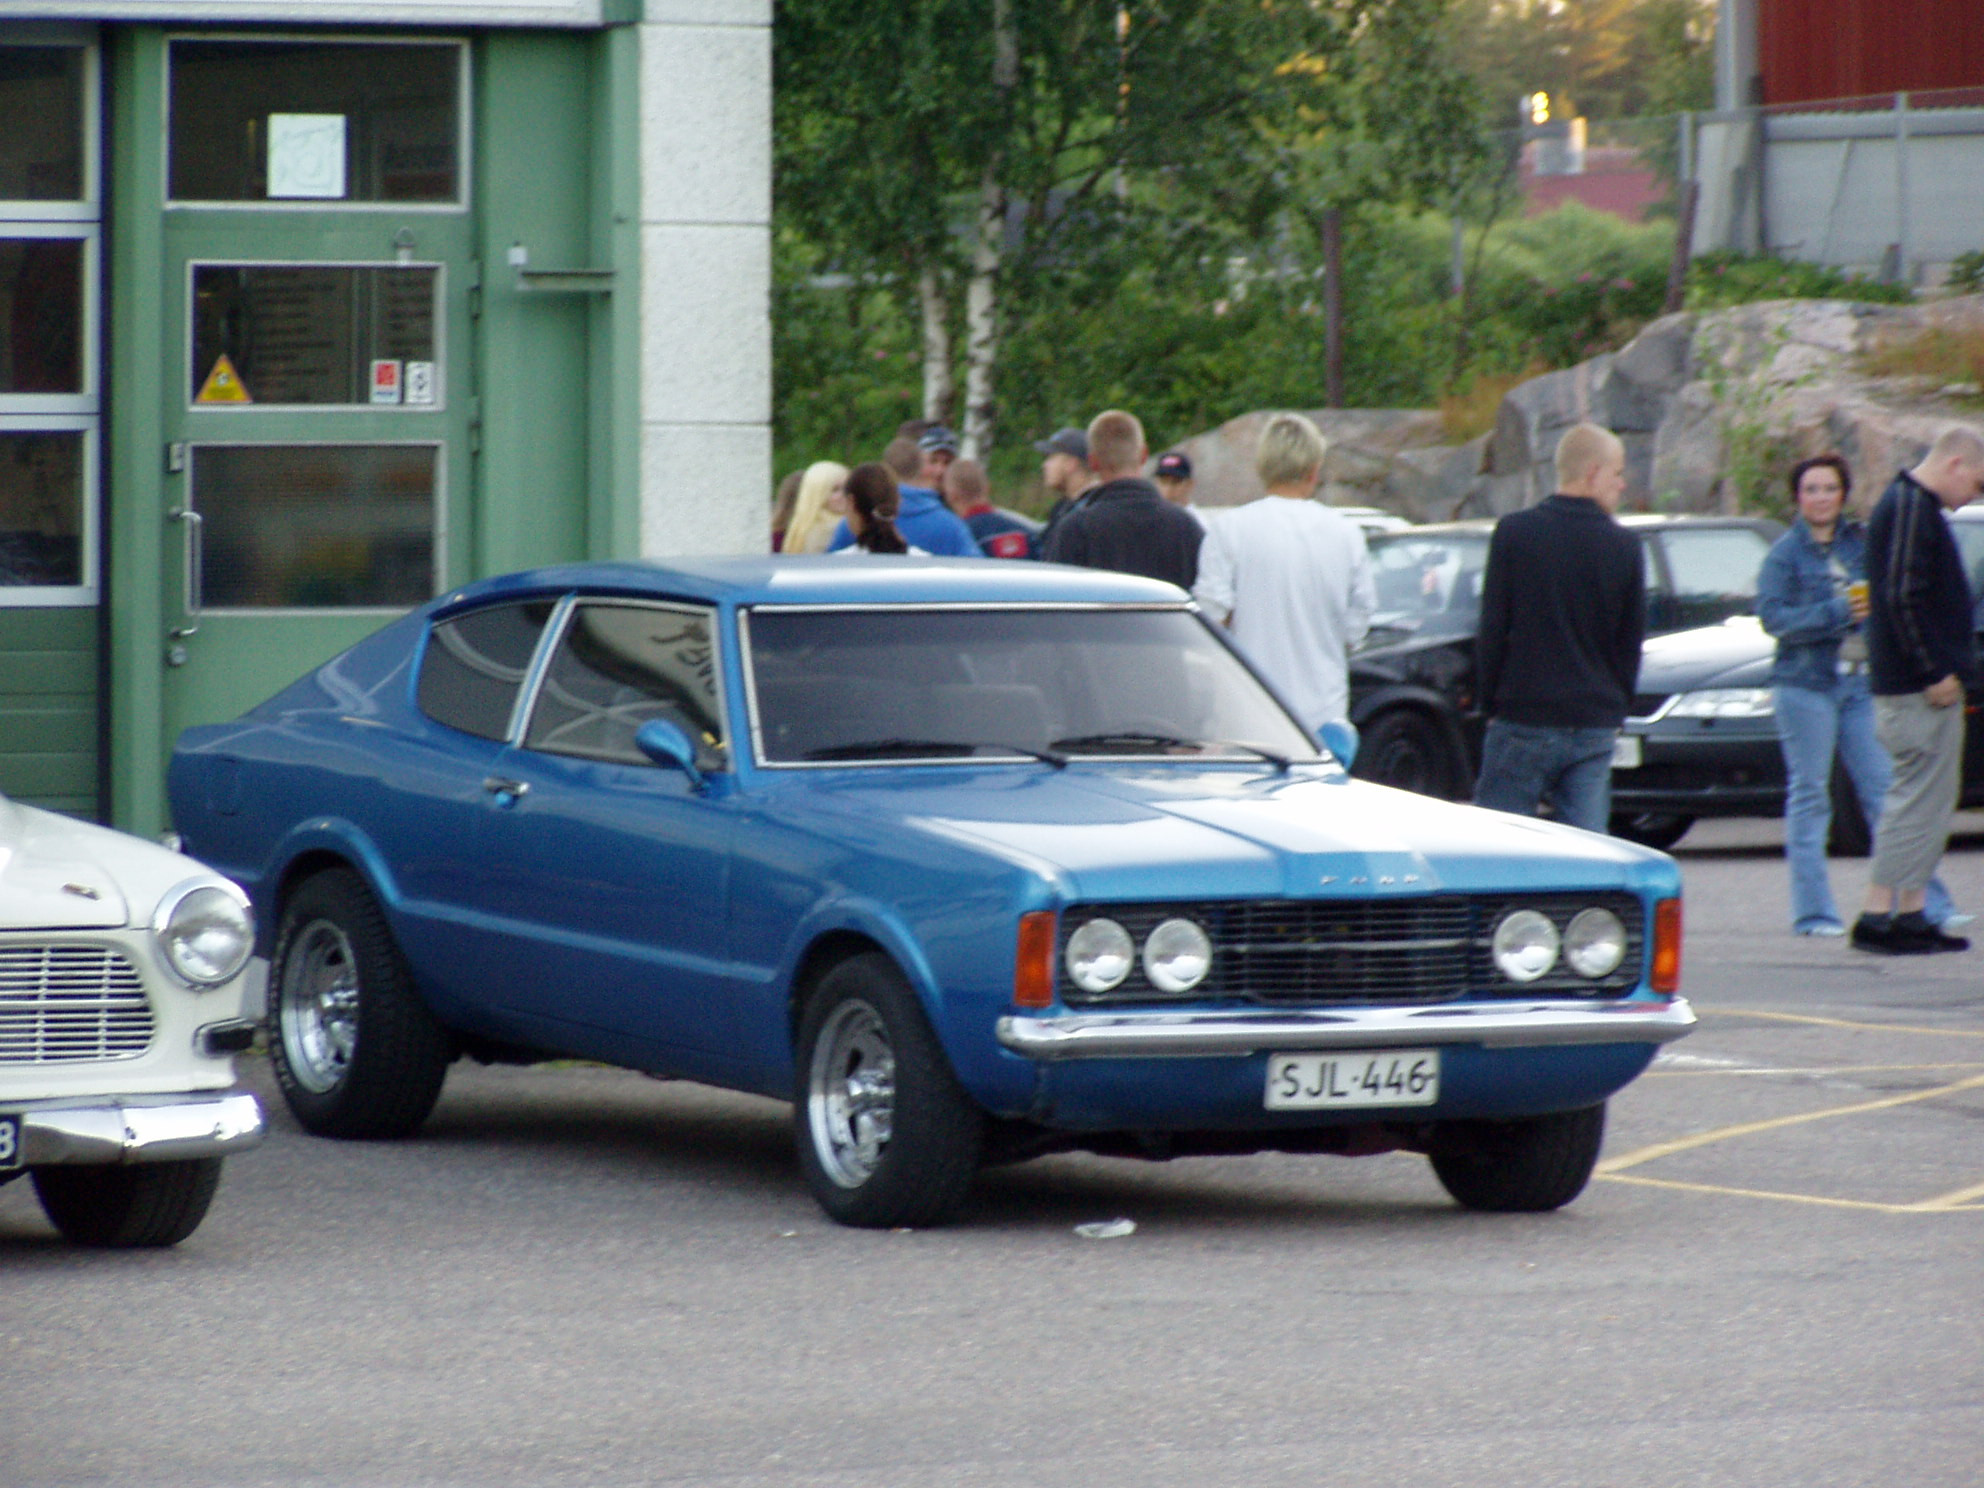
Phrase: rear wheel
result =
(1408, 749)
(1849, 836)
(355, 1050)
(144, 1204)
(887, 1136)
(1524, 1166)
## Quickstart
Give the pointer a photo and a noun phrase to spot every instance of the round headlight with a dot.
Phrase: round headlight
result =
(1177, 956)
(1100, 954)
(1525, 945)
(1595, 942)
(205, 933)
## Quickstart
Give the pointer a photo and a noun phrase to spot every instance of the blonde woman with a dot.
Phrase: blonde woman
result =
(822, 503)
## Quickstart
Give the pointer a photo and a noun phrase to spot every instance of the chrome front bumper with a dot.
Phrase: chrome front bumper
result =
(1508, 1025)
(137, 1129)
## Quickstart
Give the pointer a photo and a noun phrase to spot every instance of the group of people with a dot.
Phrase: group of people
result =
(1874, 628)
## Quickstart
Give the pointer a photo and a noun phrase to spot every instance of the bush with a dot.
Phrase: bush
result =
(1967, 273)
(1719, 280)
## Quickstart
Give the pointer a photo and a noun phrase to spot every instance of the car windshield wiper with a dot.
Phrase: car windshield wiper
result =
(1167, 741)
(871, 748)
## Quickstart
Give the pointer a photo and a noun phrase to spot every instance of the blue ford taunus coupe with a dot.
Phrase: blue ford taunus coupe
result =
(970, 860)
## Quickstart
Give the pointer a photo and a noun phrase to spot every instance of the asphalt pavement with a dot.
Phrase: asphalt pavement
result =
(584, 1277)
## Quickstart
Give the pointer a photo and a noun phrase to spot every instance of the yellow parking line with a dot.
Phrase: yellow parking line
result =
(1958, 1200)
(1748, 1128)
(1841, 1022)
(1765, 1193)
(1828, 1069)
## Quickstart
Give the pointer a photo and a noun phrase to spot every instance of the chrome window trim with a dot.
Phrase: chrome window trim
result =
(554, 635)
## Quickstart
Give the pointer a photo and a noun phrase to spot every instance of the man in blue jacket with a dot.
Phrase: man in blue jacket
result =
(922, 519)
(1920, 653)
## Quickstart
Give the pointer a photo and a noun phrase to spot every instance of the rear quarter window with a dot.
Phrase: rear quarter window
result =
(475, 664)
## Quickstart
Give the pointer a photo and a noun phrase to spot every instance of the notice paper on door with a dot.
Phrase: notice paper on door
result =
(306, 156)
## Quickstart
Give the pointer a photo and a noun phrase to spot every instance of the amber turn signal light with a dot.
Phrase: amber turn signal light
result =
(1666, 946)
(1033, 971)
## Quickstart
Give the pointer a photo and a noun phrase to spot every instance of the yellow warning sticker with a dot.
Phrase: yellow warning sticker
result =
(223, 384)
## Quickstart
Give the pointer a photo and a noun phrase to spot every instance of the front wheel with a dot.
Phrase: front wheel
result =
(144, 1204)
(1523, 1166)
(887, 1137)
(356, 1051)
(1849, 836)
(1409, 750)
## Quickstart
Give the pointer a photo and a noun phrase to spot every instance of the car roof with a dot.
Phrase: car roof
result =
(1482, 526)
(810, 580)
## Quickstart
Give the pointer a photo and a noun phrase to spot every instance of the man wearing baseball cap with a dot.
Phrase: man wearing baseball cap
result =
(1174, 482)
(1065, 472)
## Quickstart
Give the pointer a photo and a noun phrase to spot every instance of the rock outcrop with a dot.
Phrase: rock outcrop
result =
(1695, 397)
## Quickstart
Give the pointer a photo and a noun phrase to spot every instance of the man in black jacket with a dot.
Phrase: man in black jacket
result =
(1124, 523)
(1920, 653)
(1563, 612)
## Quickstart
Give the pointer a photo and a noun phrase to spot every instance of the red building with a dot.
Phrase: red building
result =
(1818, 49)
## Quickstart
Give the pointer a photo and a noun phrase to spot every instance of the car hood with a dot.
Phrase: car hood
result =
(1736, 653)
(1181, 832)
(57, 873)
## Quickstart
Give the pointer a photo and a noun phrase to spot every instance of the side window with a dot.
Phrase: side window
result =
(619, 665)
(475, 665)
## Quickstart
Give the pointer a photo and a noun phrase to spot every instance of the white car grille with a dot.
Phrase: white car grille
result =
(60, 1004)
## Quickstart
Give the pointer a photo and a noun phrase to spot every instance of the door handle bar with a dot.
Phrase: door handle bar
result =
(196, 579)
(496, 785)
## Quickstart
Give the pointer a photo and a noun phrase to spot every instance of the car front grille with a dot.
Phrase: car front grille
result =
(1398, 951)
(62, 1004)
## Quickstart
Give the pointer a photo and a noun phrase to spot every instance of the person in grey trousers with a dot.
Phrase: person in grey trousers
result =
(1920, 654)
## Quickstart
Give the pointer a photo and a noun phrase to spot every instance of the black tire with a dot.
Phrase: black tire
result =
(1524, 1166)
(355, 1050)
(1849, 835)
(142, 1204)
(1660, 829)
(1408, 749)
(863, 1026)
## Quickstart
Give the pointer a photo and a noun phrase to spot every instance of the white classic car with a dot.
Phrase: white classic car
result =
(122, 981)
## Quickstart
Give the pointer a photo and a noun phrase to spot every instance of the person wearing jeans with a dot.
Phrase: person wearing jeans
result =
(1563, 612)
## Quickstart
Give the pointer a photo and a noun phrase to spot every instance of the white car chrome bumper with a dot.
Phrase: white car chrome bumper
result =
(137, 1129)
(1505, 1025)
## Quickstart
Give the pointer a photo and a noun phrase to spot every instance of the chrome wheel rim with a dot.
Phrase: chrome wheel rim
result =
(319, 1006)
(851, 1094)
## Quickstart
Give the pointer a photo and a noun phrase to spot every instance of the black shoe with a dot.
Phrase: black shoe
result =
(1915, 928)
(1882, 935)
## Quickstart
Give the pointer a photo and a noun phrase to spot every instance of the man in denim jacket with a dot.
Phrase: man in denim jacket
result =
(1811, 595)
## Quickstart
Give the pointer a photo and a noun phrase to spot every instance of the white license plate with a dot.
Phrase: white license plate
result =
(1627, 753)
(1387, 1077)
(10, 1142)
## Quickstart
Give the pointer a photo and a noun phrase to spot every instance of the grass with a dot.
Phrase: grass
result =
(1945, 354)
(1469, 412)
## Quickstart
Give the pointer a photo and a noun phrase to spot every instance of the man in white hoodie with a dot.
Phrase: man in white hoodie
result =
(1290, 577)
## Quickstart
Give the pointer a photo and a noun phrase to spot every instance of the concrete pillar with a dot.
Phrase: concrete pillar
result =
(706, 103)
(1735, 54)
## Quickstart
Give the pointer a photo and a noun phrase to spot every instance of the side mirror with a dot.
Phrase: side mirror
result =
(666, 744)
(1339, 737)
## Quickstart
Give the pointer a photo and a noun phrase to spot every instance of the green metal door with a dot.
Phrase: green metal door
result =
(317, 272)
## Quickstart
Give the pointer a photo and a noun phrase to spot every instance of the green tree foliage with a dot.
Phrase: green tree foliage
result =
(1606, 59)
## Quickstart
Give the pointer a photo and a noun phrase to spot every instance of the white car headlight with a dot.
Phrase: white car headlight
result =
(1177, 956)
(1525, 945)
(205, 932)
(1595, 942)
(1723, 702)
(1100, 955)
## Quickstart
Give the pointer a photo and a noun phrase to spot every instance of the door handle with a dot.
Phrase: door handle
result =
(497, 786)
(196, 584)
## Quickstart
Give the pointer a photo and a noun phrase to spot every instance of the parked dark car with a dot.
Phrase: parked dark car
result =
(1703, 738)
(1412, 684)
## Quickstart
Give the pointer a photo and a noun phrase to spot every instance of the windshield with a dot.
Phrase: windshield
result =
(903, 683)
(1427, 585)
(1970, 543)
